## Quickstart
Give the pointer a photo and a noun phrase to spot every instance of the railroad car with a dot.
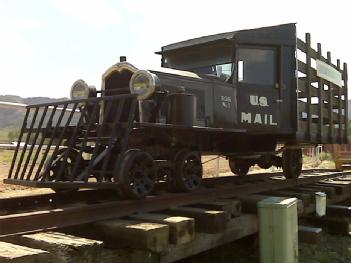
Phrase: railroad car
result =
(255, 96)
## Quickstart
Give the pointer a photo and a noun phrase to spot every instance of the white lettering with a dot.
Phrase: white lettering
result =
(258, 101)
(246, 117)
(263, 102)
(258, 118)
(271, 121)
(253, 100)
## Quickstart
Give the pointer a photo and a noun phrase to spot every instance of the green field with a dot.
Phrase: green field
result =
(4, 135)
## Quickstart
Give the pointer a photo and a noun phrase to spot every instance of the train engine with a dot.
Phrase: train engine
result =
(243, 95)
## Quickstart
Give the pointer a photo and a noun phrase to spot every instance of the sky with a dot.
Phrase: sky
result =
(46, 45)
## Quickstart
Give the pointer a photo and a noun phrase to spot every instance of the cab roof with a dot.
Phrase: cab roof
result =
(284, 34)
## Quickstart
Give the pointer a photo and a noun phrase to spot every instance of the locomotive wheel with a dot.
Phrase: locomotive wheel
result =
(292, 163)
(239, 167)
(67, 170)
(137, 174)
(188, 171)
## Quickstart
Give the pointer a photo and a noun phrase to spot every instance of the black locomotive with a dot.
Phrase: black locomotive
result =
(246, 95)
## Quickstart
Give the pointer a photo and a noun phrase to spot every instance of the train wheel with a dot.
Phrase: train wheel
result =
(137, 174)
(188, 171)
(239, 167)
(54, 169)
(292, 163)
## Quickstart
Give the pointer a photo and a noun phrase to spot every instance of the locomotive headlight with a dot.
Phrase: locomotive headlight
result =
(81, 90)
(143, 83)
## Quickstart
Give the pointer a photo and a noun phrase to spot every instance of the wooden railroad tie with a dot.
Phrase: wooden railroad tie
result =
(20, 254)
(311, 235)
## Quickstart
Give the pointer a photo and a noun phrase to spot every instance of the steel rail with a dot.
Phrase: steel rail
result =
(18, 203)
(87, 213)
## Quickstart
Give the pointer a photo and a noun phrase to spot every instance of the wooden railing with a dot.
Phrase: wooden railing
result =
(322, 106)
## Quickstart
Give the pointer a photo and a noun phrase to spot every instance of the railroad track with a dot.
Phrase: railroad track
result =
(50, 211)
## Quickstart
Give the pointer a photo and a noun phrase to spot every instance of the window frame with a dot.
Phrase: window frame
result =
(257, 47)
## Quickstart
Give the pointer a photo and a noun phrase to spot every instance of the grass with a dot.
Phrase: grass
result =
(6, 156)
(4, 135)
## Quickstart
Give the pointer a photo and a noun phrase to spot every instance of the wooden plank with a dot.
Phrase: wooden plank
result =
(308, 83)
(330, 90)
(231, 206)
(320, 96)
(303, 88)
(128, 256)
(333, 225)
(63, 247)
(329, 191)
(340, 188)
(119, 233)
(207, 221)
(345, 78)
(340, 102)
(249, 203)
(339, 210)
(307, 199)
(20, 254)
(239, 227)
(181, 229)
(302, 67)
(311, 235)
(301, 45)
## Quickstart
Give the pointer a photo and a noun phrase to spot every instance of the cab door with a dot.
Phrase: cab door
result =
(258, 92)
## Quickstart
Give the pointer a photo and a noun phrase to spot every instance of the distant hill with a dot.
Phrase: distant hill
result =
(29, 101)
(10, 118)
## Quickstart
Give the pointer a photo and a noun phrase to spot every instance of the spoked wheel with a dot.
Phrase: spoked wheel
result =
(292, 163)
(239, 167)
(137, 174)
(188, 171)
(54, 169)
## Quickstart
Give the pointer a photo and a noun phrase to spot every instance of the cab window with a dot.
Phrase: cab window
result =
(256, 66)
(220, 70)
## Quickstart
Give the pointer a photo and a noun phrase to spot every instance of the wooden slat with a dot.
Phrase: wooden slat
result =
(302, 67)
(320, 96)
(301, 45)
(303, 88)
(330, 85)
(339, 101)
(345, 77)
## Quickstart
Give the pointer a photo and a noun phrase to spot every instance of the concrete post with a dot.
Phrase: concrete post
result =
(278, 230)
